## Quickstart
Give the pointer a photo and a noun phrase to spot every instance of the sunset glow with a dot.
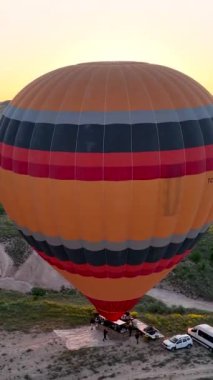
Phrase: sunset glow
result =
(38, 36)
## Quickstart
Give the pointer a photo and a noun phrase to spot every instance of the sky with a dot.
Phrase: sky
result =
(38, 36)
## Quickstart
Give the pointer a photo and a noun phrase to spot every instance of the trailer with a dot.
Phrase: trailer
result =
(147, 330)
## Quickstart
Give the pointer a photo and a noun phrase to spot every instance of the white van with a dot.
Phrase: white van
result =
(202, 334)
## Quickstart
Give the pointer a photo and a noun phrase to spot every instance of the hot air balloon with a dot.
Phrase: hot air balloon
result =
(106, 171)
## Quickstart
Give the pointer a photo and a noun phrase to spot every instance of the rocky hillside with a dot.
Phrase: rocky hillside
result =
(33, 272)
(194, 275)
(20, 267)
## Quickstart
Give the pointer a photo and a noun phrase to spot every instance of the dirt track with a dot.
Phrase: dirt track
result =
(171, 298)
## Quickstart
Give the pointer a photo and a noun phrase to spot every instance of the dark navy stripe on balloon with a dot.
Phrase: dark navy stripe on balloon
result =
(111, 138)
(114, 271)
(112, 258)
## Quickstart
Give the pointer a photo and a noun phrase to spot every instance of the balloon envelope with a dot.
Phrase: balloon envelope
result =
(106, 169)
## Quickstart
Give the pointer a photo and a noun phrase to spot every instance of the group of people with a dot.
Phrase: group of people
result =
(95, 321)
(130, 328)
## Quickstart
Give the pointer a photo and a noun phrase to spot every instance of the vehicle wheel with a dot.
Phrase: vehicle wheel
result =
(189, 346)
(173, 349)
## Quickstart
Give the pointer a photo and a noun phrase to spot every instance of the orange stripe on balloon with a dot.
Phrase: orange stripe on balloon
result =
(110, 289)
(113, 211)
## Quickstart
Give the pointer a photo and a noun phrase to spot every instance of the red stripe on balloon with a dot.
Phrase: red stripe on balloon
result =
(114, 271)
(107, 173)
(145, 165)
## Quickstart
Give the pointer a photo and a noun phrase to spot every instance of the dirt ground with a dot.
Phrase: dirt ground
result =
(45, 356)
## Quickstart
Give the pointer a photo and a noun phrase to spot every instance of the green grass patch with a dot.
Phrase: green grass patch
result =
(170, 320)
(150, 305)
(67, 309)
(25, 312)
(176, 323)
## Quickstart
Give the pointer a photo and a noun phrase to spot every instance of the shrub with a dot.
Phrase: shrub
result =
(178, 310)
(195, 257)
(68, 291)
(38, 292)
(134, 314)
(18, 250)
(211, 258)
(2, 212)
(202, 266)
(151, 305)
(157, 307)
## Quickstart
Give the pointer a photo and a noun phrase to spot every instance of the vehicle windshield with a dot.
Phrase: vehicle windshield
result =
(173, 339)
